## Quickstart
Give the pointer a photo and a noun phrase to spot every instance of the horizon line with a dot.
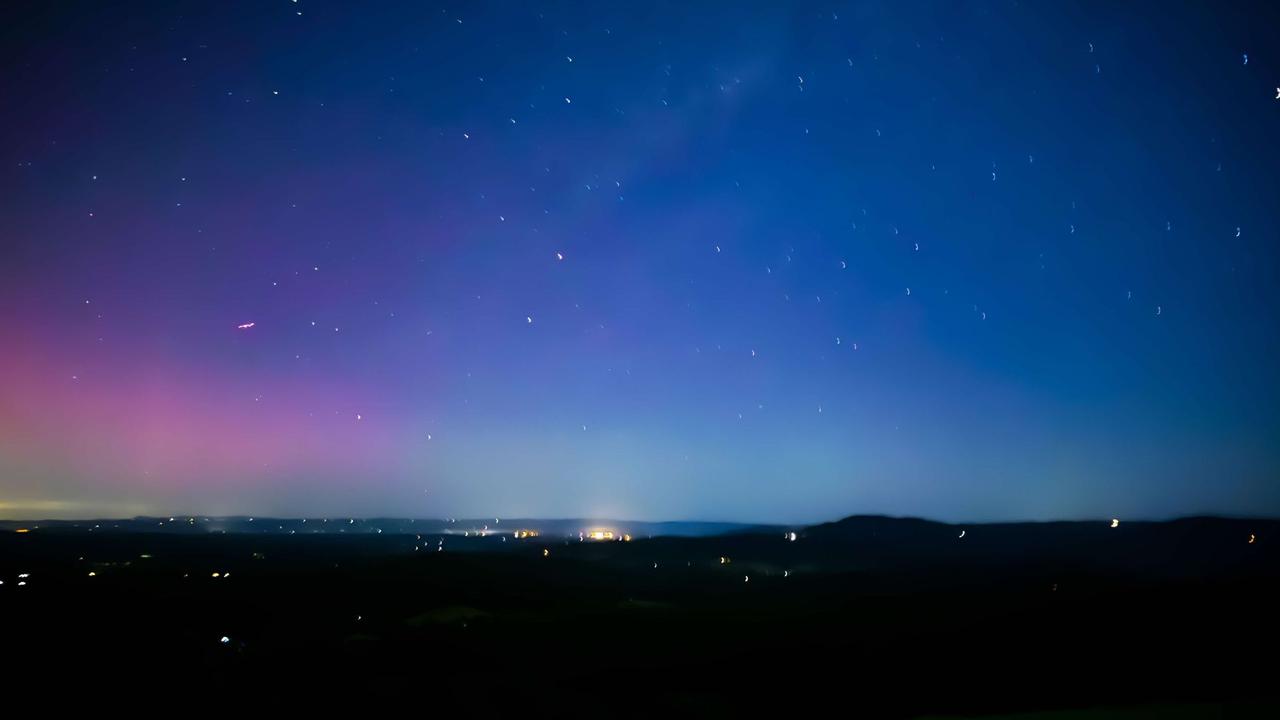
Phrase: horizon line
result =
(583, 518)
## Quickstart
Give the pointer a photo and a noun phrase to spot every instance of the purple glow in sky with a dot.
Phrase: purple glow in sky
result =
(662, 261)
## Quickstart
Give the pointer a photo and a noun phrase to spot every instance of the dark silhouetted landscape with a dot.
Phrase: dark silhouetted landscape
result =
(885, 617)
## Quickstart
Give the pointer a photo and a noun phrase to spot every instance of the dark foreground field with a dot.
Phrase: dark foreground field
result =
(868, 617)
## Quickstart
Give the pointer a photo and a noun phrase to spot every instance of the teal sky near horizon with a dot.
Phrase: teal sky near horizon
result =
(653, 261)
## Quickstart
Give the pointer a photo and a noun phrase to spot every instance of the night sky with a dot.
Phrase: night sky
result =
(969, 261)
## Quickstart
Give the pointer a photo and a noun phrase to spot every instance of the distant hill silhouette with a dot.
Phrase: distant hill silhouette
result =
(890, 617)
